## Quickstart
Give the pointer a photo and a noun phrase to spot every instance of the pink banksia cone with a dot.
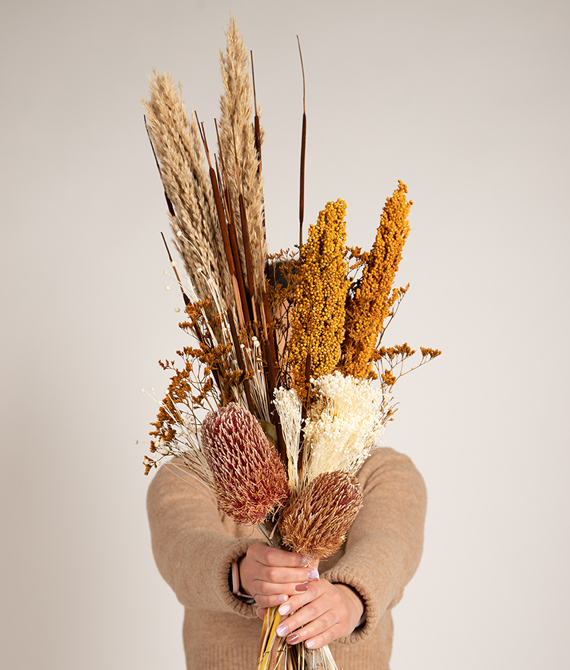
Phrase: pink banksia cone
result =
(315, 523)
(249, 477)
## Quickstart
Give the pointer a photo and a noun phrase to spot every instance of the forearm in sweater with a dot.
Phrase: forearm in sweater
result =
(191, 549)
(385, 542)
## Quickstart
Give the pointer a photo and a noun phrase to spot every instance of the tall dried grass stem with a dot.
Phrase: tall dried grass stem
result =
(239, 151)
(186, 182)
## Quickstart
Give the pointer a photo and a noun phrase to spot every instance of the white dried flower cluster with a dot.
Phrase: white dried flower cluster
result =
(289, 408)
(344, 424)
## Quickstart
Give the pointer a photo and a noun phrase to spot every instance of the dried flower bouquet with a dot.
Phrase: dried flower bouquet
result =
(273, 405)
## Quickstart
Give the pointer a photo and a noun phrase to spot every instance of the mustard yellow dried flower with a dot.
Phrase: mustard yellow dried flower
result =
(373, 297)
(318, 317)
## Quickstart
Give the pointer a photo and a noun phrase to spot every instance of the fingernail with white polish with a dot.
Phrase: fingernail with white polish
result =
(284, 609)
(309, 644)
(313, 574)
(282, 599)
(282, 630)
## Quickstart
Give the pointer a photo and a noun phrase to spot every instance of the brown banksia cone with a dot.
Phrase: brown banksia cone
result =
(315, 523)
(249, 476)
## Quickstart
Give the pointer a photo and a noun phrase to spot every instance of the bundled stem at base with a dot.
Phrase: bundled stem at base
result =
(276, 654)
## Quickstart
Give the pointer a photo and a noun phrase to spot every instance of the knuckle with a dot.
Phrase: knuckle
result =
(254, 551)
(328, 619)
(313, 590)
(310, 612)
(338, 631)
(264, 588)
(272, 574)
(272, 557)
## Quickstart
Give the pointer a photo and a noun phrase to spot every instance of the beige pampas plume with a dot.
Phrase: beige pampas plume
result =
(239, 153)
(249, 477)
(315, 523)
(178, 148)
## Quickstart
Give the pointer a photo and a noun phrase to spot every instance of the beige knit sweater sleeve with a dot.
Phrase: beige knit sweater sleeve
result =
(385, 542)
(192, 546)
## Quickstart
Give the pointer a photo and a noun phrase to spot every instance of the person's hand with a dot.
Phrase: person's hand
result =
(318, 611)
(320, 615)
(272, 575)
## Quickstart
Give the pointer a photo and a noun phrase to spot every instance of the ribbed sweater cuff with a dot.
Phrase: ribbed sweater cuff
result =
(234, 551)
(206, 584)
(373, 609)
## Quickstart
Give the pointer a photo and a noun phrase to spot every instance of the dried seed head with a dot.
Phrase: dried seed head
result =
(249, 477)
(317, 319)
(315, 523)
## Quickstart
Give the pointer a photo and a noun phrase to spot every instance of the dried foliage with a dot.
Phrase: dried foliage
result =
(249, 477)
(315, 523)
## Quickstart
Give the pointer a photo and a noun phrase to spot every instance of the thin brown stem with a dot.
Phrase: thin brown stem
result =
(168, 201)
(233, 236)
(184, 296)
(240, 361)
(303, 151)
(256, 124)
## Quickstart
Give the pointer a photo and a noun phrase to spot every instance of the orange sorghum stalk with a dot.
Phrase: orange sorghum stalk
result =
(318, 317)
(370, 305)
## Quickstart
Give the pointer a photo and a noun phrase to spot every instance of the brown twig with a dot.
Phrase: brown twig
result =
(240, 361)
(233, 236)
(168, 201)
(303, 150)
(184, 296)
(245, 234)
(257, 127)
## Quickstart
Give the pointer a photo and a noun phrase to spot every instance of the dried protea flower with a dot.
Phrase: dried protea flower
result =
(249, 477)
(315, 523)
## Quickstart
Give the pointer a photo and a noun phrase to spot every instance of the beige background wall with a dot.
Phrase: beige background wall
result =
(468, 103)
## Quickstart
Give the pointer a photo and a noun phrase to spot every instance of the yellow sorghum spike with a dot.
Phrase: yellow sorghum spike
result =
(371, 303)
(319, 313)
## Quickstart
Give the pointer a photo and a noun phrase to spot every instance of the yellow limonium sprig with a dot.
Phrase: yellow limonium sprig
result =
(373, 298)
(318, 318)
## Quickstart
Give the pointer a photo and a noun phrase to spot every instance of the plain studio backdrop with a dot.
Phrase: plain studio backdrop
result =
(468, 104)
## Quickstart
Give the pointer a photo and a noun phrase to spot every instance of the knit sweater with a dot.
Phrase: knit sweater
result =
(194, 546)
